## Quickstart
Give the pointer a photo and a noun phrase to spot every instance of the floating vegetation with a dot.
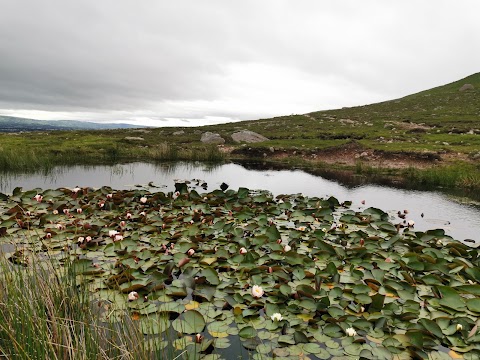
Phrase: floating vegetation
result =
(290, 277)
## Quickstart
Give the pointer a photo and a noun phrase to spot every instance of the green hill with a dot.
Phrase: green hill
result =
(445, 106)
(440, 119)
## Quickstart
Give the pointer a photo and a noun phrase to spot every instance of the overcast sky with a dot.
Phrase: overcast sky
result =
(183, 63)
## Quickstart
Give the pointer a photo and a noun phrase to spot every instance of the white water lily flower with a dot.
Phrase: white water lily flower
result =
(276, 317)
(243, 251)
(411, 223)
(351, 331)
(191, 252)
(198, 338)
(143, 200)
(75, 190)
(38, 197)
(112, 233)
(133, 296)
(257, 291)
(459, 327)
(287, 248)
(118, 237)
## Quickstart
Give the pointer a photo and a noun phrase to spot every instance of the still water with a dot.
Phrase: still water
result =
(461, 221)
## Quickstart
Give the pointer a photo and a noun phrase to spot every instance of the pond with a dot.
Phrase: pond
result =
(240, 273)
(428, 209)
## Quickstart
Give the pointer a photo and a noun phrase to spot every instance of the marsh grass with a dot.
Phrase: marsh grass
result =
(13, 160)
(462, 175)
(166, 152)
(45, 314)
(27, 159)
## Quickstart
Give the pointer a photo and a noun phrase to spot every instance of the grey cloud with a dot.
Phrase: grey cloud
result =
(113, 55)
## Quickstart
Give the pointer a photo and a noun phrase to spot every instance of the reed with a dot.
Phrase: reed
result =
(46, 314)
(11, 160)
(167, 152)
(36, 159)
(461, 175)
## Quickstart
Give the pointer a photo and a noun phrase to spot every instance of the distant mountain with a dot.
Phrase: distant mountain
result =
(16, 124)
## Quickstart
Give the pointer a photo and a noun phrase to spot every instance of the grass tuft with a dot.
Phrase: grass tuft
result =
(45, 314)
(462, 175)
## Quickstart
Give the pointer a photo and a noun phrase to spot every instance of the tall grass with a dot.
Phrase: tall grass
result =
(44, 314)
(167, 152)
(45, 159)
(36, 159)
(11, 160)
(461, 175)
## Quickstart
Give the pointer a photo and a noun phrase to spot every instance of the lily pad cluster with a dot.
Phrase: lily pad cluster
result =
(288, 277)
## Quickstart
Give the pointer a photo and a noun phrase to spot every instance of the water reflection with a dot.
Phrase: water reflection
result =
(462, 221)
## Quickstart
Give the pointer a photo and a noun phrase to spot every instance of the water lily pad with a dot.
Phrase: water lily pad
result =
(189, 322)
(247, 332)
(473, 305)
(154, 325)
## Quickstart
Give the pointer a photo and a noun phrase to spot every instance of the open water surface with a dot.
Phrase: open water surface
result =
(459, 220)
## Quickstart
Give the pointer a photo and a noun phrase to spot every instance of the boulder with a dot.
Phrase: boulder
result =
(466, 87)
(211, 138)
(134, 138)
(181, 132)
(248, 136)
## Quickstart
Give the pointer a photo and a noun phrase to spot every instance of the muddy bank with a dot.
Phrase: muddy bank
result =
(349, 154)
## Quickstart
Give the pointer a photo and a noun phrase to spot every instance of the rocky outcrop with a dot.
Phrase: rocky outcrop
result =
(212, 138)
(181, 132)
(134, 138)
(248, 136)
(466, 87)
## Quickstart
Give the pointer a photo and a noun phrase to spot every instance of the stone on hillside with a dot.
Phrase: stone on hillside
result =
(466, 87)
(248, 136)
(475, 156)
(134, 138)
(211, 138)
(181, 132)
